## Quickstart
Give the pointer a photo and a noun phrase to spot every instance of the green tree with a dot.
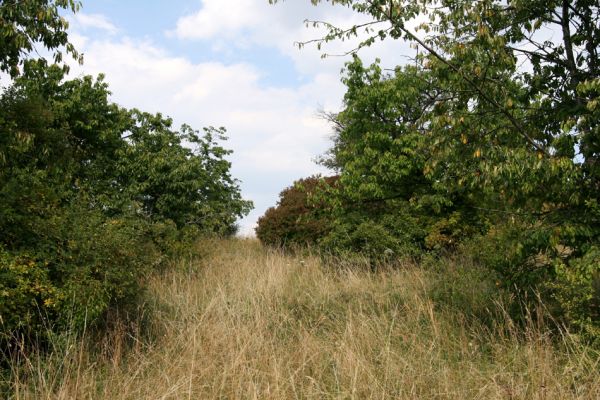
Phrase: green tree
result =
(23, 23)
(65, 257)
(516, 127)
(94, 195)
(181, 175)
(473, 49)
(381, 150)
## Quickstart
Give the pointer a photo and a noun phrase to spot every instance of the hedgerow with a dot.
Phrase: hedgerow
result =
(94, 198)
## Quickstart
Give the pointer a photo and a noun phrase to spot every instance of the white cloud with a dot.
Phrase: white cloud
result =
(95, 21)
(255, 22)
(213, 19)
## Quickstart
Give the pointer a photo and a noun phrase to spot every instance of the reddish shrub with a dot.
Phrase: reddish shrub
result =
(298, 218)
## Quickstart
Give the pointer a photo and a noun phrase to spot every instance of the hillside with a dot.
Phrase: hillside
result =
(246, 322)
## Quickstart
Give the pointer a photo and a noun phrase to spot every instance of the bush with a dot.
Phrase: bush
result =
(367, 238)
(26, 292)
(88, 265)
(297, 220)
(379, 240)
(517, 251)
(530, 263)
(577, 291)
(466, 287)
(94, 197)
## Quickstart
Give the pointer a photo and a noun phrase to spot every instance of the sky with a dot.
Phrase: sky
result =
(231, 63)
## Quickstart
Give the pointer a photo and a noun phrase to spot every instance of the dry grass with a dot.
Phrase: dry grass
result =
(248, 323)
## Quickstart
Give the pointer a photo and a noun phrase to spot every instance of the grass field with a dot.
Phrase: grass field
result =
(250, 323)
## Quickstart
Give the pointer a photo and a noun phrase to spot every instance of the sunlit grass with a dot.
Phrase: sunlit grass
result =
(246, 323)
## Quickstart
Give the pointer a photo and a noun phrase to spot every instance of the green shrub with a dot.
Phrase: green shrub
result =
(517, 251)
(367, 238)
(577, 291)
(26, 293)
(446, 232)
(94, 197)
(471, 289)
(377, 233)
(532, 263)
(88, 264)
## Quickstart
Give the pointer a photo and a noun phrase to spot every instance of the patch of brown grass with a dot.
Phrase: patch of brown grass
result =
(247, 323)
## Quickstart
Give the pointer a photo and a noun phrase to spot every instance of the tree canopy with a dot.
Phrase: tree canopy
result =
(25, 23)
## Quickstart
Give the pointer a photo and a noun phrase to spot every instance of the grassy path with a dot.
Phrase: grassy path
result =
(247, 323)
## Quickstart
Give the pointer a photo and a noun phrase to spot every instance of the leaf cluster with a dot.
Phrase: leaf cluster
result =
(25, 23)
(297, 219)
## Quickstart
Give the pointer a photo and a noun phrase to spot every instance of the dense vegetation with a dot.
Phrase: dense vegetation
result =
(487, 143)
(94, 196)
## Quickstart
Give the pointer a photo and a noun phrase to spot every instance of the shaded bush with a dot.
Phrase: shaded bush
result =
(87, 264)
(378, 237)
(298, 218)
(577, 291)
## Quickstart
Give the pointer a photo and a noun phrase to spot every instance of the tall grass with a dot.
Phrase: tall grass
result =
(250, 323)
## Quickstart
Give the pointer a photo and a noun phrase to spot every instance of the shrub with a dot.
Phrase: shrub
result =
(378, 237)
(516, 250)
(26, 292)
(93, 197)
(577, 291)
(367, 238)
(88, 264)
(297, 219)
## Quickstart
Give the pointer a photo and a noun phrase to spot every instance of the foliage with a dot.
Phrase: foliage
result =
(577, 290)
(93, 197)
(25, 23)
(296, 220)
(381, 150)
(492, 124)
(88, 264)
(364, 237)
(191, 185)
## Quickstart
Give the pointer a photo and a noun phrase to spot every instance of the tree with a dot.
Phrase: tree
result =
(180, 175)
(381, 150)
(515, 127)
(474, 48)
(93, 196)
(23, 23)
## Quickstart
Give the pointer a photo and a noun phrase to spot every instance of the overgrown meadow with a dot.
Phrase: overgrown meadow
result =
(248, 322)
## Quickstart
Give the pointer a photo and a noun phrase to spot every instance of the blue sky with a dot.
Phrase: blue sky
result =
(230, 63)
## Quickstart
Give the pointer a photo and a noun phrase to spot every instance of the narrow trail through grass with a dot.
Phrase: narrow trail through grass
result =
(250, 323)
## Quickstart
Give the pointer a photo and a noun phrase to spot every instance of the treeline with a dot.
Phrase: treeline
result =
(93, 196)
(487, 144)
